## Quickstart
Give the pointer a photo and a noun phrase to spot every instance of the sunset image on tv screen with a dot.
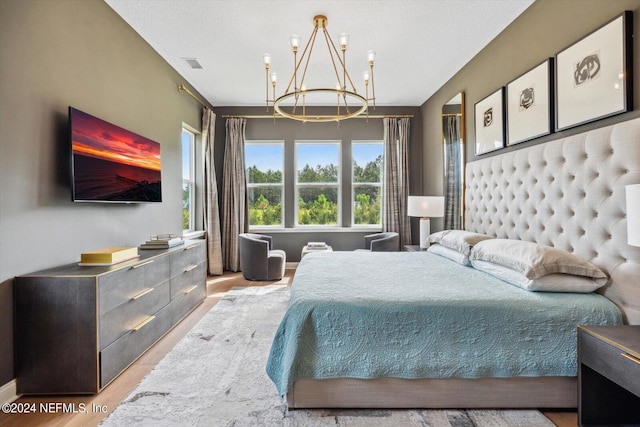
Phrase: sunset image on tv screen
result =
(111, 163)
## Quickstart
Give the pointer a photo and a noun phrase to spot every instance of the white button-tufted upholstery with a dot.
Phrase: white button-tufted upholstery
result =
(568, 193)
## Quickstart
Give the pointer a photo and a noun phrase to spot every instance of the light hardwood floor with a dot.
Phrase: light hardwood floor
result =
(97, 407)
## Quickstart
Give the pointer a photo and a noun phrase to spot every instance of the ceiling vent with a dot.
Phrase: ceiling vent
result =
(193, 63)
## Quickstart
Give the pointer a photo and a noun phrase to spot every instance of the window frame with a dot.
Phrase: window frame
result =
(366, 184)
(190, 182)
(273, 142)
(297, 185)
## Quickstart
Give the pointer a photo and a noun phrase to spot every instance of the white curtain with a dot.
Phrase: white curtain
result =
(235, 219)
(211, 212)
(396, 183)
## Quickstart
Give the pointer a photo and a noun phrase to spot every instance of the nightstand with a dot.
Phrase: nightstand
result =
(413, 248)
(608, 375)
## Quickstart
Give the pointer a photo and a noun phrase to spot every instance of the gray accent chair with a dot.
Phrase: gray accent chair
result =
(382, 242)
(258, 260)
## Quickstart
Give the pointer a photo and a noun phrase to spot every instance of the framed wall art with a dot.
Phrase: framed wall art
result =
(530, 104)
(594, 75)
(489, 123)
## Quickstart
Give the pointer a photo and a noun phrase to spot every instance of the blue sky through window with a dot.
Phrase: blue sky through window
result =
(264, 156)
(365, 153)
(186, 155)
(318, 154)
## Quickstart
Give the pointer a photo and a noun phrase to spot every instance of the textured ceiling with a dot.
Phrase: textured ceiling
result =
(420, 45)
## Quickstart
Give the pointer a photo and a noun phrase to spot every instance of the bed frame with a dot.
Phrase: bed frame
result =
(567, 193)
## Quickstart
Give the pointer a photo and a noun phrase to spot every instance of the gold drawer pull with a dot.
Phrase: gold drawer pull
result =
(630, 357)
(188, 291)
(143, 293)
(142, 263)
(191, 267)
(141, 324)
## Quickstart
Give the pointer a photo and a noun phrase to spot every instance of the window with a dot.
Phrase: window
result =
(264, 162)
(188, 180)
(317, 182)
(366, 182)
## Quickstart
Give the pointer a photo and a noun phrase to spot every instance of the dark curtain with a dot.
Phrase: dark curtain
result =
(453, 172)
(396, 183)
(235, 218)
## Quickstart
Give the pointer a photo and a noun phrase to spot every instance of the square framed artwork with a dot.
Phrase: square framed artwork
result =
(489, 123)
(530, 104)
(593, 76)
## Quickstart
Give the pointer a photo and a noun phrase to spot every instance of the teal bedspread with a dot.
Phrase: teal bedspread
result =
(418, 315)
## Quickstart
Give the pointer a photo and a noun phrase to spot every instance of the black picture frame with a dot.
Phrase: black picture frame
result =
(530, 104)
(489, 123)
(594, 76)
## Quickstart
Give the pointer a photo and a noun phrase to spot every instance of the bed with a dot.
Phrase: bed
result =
(465, 338)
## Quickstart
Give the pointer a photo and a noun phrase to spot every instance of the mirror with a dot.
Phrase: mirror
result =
(453, 139)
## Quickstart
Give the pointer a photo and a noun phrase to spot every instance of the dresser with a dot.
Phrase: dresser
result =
(608, 375)
(77, 327)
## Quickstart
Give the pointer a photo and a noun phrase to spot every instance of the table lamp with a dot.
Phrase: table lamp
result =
(425, 207)
(633, 214)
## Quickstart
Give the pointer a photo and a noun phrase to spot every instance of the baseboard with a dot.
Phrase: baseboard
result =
(290, 265)
(8, 392)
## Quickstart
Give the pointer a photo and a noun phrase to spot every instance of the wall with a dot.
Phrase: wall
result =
(54, 54)
(289, 130)
(545, 28)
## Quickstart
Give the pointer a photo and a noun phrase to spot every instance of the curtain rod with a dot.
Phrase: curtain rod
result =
(363, 116)
(451, 114)
(185, 89)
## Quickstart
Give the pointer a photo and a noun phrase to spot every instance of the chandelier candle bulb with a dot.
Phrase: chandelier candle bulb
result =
(344, 40)
(295, 42)
(371, 56)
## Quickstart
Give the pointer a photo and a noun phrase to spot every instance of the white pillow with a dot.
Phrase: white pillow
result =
(555, 282)
(449, 253)
(459, 240)
(533, 260)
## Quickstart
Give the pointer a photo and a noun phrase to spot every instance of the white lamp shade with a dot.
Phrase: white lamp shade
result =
(633, 214)
(425, 206)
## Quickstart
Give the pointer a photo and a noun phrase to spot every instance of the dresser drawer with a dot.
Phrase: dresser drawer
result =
(120, 286)
(126, 349)
(126, 316)
(610, 362)
(186, 302)
(191, 254)
(191, 275)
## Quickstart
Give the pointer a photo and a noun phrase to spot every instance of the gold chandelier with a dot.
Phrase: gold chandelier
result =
(293, 103)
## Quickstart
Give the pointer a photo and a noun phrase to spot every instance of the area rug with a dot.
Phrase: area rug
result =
(215, 376)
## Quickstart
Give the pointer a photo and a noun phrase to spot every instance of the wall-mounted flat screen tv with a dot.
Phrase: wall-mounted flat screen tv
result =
(111, 164)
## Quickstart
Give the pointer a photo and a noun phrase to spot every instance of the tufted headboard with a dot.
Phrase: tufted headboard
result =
(568, 193)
